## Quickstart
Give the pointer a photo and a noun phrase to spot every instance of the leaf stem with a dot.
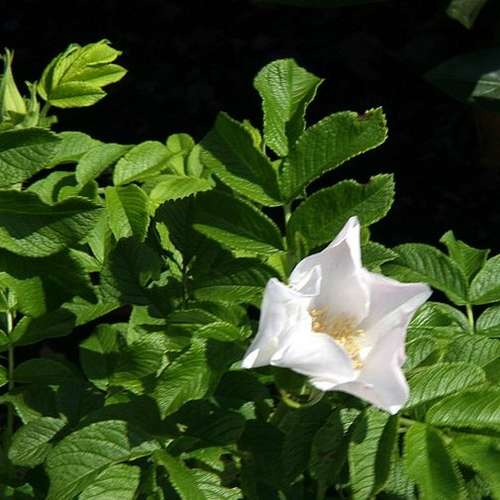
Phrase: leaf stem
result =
(45, 110)
(470, 317)
(287, 208)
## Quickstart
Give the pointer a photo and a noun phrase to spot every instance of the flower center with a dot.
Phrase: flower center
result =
(342, 329)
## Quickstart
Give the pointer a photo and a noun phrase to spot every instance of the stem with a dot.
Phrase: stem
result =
(407, 421)
(470, 317)
(287, 209)
(45, 110)
(288, 212)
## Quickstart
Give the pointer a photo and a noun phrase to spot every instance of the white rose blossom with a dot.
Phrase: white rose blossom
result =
(339, 324)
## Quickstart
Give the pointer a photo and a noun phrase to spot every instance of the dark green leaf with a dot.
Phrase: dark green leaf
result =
(45, 371)
(485, 287)
(118, 481)
(489, 322)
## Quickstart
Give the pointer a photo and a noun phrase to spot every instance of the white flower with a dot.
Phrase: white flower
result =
(339, 324)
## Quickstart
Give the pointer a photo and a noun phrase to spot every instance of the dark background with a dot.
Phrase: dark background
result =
(189, 59)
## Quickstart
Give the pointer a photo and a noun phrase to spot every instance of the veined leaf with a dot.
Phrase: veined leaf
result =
(473, 349)
(127, 208)
(433, 316)
(485, 287)
(23, 153)
(474, 409)
(76, 461)
(488, 322)
(418, 350)
(286, 90)
(118, 481)
(373, 255)
(321, 216)
(432, 382)
(32, 228)
(46, 371)
(173, 187)
(229, 150)
(236, 223)
(430, 465)
(419, 262)
(142, 161)
(329, 143)
(72, 146)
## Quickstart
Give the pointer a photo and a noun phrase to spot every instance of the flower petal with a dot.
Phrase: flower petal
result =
(343, 290)
(280, 307)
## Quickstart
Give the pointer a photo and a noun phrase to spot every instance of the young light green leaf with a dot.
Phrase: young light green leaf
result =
(229, 150)
(432, 382)
(236, 224)
(329, 143)
(482, 453)
(474, 409)
(488, 322)
(72, 146)
(180, 476)
(469, 259)
(30, 444)
(127, 208)
(118, 481)
(465, 11)
(76, 461)
(286, 90)
(23, 153)
(12, 105)
(180, 145)
(485, 287)
(430, 465)
(76, 76)
(142, 161)
(96, 160)
(419, 262)
(321, 216)
(32, 228)
(173, 187)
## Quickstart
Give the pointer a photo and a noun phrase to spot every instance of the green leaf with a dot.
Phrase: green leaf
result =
(229, 150)
(482, 453)
(118, 481)
(32, 228)
(32, 402)
(4, 378)
(321, 216)
(430, 465)
(465, 11)
(23, 153)
(236, 223)
(442, 379)
(370, 453)
(127, 208)
(173, 187)
(469, 259)
(30, 444)
(237, 280)
(374, 255)
(419, 262)
(286, 90)
(473, 349)
(72, 146)
(433, 316)
(45, 371)
(475, 409)
(471, 77)
(210, 485)
(75, 77)
(180, 476)
(329, 143)
(418, 351)
(12, 105)
(96, 160)
(489, 322)
(76, 461)
(142, 161)
(185, 379)
(485, 287)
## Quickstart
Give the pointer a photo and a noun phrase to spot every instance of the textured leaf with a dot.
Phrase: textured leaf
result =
(142, 161)
(229, 150)
(180, 476)
(75, 77)
(419, 262)
(3, 376)
(45, 371)
(328, 144)
(374, 255)
(76, 461)
(118, 481)
(210, 485)
(418, 350)
(72, 146)
(469, 259)
(23, 153)
(465, 11)
(477, 350)
(236, 223)
(485, 287)
(96, 160)
(475, 409)
(30, 443)
(127, 208)
(430, 465)
(482, 453)
(489, 322)
(321, 216)
(173, 187)
(442, 379)
(286, 90)
(433, 316)
(32, 228)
